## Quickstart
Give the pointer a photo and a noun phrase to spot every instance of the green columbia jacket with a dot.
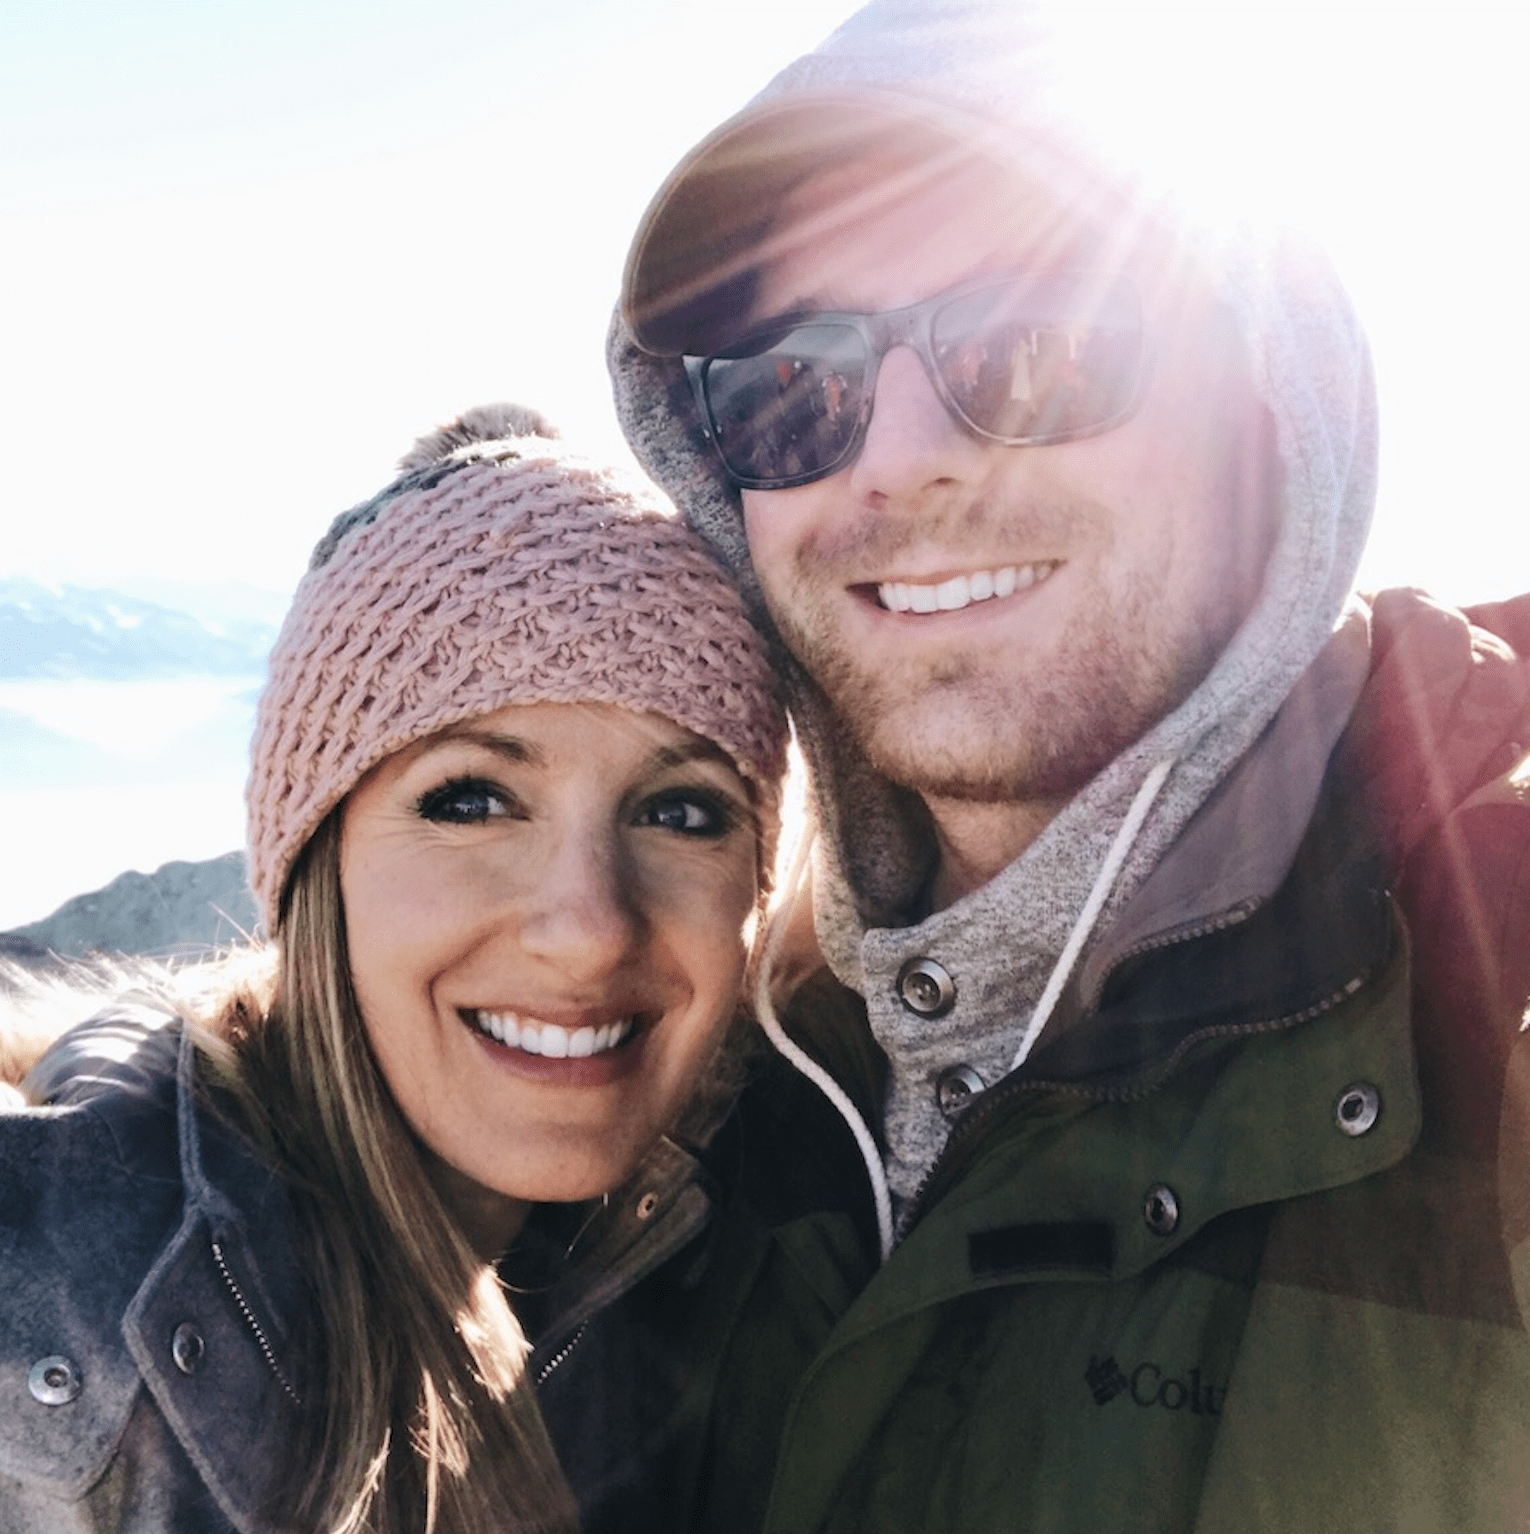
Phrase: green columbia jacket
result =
(1245, 1250)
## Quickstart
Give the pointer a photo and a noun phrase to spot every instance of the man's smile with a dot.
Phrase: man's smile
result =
(955, 592)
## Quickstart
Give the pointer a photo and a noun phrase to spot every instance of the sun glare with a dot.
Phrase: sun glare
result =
(1230, 105)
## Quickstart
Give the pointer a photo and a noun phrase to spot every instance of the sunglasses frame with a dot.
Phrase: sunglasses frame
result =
(912, 326)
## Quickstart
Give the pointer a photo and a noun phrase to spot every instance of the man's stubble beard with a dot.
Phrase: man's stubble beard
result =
(990, 727)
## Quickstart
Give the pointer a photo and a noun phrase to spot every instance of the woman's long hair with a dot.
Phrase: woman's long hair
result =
(418, 1415)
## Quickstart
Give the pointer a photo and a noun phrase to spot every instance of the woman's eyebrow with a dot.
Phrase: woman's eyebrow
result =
(692, 751)
(512, 747)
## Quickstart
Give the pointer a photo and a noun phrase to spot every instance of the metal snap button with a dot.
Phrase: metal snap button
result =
(1160, 1210)
(926, 988)
(955, 1088)
(1358, 1108)
(55, 1380)
(187, 1348)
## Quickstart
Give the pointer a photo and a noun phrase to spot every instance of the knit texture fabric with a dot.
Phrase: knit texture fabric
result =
(506, 572)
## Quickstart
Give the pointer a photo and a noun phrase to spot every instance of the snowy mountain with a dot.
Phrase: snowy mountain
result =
(58, 632)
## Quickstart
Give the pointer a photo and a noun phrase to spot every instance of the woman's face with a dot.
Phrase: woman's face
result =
(546, 909)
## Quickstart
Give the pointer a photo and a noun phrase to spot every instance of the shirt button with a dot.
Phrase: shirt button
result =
(54, 1380)
(187, 1348)
(925, 988)
(955, 1088)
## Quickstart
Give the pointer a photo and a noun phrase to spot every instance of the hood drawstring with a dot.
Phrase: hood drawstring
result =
(1090, 912)
(766, 1012)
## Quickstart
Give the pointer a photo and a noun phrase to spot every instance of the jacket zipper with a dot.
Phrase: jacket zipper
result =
(556, 1361)
(261, 1340)
(269, 1354)
(1233, 916)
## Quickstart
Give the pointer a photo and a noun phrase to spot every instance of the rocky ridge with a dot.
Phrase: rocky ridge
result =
(181, 909)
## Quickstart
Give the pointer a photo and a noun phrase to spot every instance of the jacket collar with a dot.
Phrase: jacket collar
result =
(580, 1259)
(1248, 954)
(206, 1328)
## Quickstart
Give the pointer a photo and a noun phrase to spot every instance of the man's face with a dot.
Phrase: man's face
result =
(1120, 564)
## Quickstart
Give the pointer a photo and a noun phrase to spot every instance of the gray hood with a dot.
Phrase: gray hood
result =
(961, 72)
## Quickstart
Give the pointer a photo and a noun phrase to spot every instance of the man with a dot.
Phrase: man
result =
(1185, 899)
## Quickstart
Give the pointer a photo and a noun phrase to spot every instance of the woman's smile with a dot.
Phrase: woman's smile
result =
(533, 1036)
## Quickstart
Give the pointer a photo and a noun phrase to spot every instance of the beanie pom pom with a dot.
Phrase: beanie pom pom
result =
(483, 423)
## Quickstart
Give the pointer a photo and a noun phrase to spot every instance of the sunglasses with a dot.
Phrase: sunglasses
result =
(1023, 360)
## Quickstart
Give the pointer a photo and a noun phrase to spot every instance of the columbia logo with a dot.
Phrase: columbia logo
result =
(1150, 1385)
(1105, 1379)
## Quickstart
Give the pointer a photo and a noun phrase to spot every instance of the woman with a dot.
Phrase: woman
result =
(512, 802)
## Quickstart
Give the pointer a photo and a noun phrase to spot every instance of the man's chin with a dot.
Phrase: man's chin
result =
(945, 760)
(988, 756)
(983, 782)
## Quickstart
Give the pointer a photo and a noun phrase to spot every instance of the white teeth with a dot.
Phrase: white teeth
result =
(954, 594)
(550, 1040)
(961, 591)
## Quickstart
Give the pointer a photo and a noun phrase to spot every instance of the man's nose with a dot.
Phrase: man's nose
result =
(584, 914)
(912, 441)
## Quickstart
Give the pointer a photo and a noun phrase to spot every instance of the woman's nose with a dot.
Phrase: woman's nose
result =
(585, 912)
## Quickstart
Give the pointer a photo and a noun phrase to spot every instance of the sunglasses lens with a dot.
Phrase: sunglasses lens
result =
(789, 411)
(1041, 359)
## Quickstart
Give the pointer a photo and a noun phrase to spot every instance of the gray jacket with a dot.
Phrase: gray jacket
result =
(142, 1359)
(147, 1381)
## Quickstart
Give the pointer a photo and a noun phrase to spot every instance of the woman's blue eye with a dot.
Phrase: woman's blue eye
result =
(465, 801)
(689, 813)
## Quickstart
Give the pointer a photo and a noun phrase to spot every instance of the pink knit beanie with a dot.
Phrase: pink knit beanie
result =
(505, 570)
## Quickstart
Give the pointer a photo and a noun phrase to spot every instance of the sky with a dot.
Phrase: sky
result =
(248, 253)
